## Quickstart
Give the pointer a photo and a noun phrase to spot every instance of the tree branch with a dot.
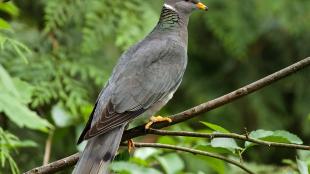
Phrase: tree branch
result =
(195, 152)
(61, 164)
(226, 135)
(225, 99)
(56, 166)
(188, 114)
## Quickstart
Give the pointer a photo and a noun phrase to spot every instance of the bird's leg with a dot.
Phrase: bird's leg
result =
(131, 145)
(155, 119)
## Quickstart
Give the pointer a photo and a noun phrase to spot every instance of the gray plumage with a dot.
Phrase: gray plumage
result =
(145, 78)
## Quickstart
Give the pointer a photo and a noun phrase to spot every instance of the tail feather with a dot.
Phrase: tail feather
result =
(99, 152)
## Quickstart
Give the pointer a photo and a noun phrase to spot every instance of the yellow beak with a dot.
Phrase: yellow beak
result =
(201, 6)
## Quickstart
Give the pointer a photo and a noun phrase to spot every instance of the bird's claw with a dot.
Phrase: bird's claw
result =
(131, 145)
(156, 119)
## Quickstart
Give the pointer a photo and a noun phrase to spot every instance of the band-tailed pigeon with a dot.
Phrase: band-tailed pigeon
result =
(144, 79)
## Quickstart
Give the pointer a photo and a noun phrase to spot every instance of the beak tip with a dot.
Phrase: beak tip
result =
(201, 6)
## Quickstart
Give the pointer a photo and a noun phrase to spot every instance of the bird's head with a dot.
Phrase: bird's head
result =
(185, 6)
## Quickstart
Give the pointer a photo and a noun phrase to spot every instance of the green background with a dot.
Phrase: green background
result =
(55, 56)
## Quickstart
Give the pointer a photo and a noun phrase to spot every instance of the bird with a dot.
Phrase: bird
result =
(142, 82)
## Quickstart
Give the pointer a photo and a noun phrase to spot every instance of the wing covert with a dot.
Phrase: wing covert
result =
(137, 83)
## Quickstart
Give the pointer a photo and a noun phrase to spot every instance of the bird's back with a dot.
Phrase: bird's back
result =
(144, 79)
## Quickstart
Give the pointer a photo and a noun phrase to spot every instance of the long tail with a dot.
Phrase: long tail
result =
(99, 152)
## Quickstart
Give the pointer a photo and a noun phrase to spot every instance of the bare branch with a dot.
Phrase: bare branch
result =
(226, 135)
(188, 114)
(195, 152)
(56, 166)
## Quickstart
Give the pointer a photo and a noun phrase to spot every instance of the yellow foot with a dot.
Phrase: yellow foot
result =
(156, 119)
(131, 145)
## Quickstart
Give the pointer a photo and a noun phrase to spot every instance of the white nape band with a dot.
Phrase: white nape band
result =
(170, 7)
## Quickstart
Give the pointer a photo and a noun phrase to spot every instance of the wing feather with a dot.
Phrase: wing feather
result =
(138, 81)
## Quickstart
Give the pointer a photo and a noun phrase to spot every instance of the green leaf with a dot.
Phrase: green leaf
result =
(14, 142)
(9, 8)
(25, 143)
(207, 147)
(291, 138)
(260, 134)
(4, 24)
(302, 167)
(13, 103)
(171, 163)
(21, 115)
(20, 49)
(216, 164)
(279, 136)
(204, 163)
(9, 144)
(220, 145)
(215, 127)
(227, 143)
(129, 168)
(24, 89)
(145, 153)
(2, 41)
(6, 82)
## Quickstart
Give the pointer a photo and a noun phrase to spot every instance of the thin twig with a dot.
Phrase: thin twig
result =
(195, 152)
(190, 113)
(226, 135)
(48, 147)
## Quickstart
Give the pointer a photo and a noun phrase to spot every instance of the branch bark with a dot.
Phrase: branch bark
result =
(220, 101)
(56, 166)
(227, 135)
(195, 152)
(188, 114)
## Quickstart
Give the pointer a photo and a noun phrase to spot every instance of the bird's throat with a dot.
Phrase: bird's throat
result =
(172, 24)
(171, 20)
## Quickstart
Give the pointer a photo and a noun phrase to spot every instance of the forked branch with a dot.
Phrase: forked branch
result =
(196, 152)
(193, 112)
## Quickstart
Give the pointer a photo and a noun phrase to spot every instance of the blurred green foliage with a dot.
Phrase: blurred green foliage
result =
(55, 55)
